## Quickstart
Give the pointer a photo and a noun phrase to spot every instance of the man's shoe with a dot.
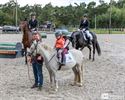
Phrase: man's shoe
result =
(34, 86)
(40, 88)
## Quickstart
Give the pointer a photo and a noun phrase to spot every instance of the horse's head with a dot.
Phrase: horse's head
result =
(23, 25)
(74, 38)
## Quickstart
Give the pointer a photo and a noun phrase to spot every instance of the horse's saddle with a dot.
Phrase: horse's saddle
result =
(68, 59)
(87, 37)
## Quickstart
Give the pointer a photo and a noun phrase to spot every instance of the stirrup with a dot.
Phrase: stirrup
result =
(60, 65)
(89, 42)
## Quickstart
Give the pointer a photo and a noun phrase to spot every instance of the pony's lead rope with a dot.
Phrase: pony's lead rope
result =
(28, 66)
(29, 74)
(51, 58)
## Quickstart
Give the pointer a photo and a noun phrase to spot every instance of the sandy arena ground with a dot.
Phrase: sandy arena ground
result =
(103, 79)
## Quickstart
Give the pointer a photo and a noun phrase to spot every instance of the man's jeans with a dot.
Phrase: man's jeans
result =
(38, 75)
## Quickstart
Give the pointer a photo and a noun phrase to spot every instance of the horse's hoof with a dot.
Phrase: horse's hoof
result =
(26, 63)
(51, 86)
(72, 84)
(79, 84)
(56, 90)
(90, 57)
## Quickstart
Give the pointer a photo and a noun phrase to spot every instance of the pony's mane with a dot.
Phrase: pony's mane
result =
(46, 47)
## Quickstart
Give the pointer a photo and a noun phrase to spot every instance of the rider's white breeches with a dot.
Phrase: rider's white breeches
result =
(88, 34)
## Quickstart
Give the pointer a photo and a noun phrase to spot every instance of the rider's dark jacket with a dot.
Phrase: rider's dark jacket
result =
(84, 24)
(33, 24)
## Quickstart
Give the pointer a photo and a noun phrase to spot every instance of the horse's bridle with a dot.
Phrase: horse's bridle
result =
(35, 49)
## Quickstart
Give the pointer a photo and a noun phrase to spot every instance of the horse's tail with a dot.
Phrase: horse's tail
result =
(98, 48)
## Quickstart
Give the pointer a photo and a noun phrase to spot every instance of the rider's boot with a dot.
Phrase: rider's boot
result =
(89, 40)
(63, 59)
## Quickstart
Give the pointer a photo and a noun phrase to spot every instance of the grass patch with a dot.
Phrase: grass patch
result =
(99, 31)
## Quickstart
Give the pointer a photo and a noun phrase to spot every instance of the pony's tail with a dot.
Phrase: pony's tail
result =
(98, 48)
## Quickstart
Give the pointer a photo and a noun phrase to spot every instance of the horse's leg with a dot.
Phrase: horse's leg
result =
(89, 51)
(56, 82)
(79, 76)
(81, 72)
(75, 74)
(57, 86)
(93, 51)
(23, 51)
(51, 80)
(25, 55)
(78, 73)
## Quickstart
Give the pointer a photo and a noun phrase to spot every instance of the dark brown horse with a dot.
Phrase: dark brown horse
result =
(27, 37)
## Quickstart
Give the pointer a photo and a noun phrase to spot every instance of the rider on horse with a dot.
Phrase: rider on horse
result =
(84, 26)
(61, 46)
(33, 23)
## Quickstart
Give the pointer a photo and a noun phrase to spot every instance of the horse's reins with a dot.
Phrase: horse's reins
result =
(50, 59)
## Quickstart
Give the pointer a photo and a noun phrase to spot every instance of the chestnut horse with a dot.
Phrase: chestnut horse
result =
(27, 37)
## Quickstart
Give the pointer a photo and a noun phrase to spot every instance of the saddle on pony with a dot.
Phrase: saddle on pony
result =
(87, 36)
(64, 56)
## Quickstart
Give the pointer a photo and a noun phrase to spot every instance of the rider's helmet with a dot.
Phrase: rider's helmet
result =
(85, 15)
(33, 14)
(58, 33)
(65, 32)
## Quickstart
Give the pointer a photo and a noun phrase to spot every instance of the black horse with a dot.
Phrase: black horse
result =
(79, 42)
